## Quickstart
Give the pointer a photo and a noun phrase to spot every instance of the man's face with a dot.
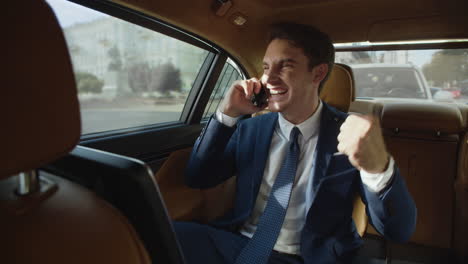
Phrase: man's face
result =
(292, 85)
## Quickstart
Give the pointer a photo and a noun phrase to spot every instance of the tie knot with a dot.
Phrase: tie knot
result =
(294, 133)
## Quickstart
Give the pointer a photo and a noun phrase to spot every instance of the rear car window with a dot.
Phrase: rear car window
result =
(388, 81)
(435, 75)
(230, 73)
(126, 75)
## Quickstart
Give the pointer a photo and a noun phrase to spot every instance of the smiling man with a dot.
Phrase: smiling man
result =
(297, 168)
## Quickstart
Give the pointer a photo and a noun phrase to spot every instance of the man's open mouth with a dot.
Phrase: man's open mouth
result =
(278, 91)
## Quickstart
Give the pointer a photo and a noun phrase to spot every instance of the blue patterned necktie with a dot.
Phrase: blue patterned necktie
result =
(259, 247)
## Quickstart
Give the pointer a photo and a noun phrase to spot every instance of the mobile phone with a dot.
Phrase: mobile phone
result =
(260, 99)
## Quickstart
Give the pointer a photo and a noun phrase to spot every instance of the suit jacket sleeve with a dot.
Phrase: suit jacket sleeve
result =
(213, 156)
(392, 211)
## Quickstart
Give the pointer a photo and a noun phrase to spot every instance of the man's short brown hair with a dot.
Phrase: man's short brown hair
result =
(317, 46)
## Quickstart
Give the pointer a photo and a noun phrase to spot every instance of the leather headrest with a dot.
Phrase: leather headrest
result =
(422, 117)
(39, 103)
(338, 91)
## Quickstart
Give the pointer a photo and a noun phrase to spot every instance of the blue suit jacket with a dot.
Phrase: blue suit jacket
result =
(329, 235)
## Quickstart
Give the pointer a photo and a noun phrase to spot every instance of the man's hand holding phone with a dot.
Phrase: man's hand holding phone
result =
(238, 100)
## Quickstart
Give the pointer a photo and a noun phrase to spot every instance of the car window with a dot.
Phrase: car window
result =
(440, 75)
(389, 82)
(126, 75)
(229, 74)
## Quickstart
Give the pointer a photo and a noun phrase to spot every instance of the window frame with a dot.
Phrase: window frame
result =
(199, 94)
(409, 46)
(143, 20)
(235, 68)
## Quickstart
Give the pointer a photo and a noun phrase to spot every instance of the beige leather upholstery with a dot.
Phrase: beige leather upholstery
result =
(422, 117)
(64, 224)
(34, 89)
(460, 241)
(60, 222)
(204, 205)
(431, 164)
(424, 141)
(339, 89)
(184, 203)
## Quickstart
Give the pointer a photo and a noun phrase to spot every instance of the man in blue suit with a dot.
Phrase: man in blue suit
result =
(297, 168)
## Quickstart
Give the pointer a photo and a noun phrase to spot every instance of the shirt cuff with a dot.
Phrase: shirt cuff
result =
(376, 182)
(225, 119)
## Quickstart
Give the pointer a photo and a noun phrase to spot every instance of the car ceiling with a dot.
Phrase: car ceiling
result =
(343, 20)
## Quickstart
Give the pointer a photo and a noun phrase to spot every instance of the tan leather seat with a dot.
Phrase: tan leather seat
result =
(424, 140)
(54, 220)
(460, 240)
(339, 90)
(205, 205)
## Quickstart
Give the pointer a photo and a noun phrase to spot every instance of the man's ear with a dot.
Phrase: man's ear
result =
(320, 71)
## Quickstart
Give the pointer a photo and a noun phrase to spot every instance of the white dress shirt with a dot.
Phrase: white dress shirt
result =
(301, 196)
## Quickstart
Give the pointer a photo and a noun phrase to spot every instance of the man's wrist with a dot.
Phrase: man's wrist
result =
(376, 182)
(226, 119)
(387, 163)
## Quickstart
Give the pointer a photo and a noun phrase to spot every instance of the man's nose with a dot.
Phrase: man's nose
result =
(271, 77)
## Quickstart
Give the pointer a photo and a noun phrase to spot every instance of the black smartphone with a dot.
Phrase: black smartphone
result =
(260, 99)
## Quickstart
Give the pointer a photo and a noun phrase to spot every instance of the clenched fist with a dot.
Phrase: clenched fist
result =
(237, 100)
(361, 140)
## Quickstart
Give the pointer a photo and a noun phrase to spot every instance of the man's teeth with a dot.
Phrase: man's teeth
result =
(277, 91)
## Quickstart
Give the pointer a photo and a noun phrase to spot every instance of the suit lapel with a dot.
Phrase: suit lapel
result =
(326, 145)
(327, 142)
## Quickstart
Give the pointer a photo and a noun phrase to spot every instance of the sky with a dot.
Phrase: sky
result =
(420, 57)
(70, 13)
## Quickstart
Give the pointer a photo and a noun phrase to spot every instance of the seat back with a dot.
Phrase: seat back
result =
(128, 184)
(460, 231)
(45, 219)
(424, 140)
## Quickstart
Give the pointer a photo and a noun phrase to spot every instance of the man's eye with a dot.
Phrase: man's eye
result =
(287, 65)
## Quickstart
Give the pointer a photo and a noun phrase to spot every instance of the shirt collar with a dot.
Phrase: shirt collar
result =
(308, 128)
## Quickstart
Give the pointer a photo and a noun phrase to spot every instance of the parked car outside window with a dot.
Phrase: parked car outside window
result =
(409, 74)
